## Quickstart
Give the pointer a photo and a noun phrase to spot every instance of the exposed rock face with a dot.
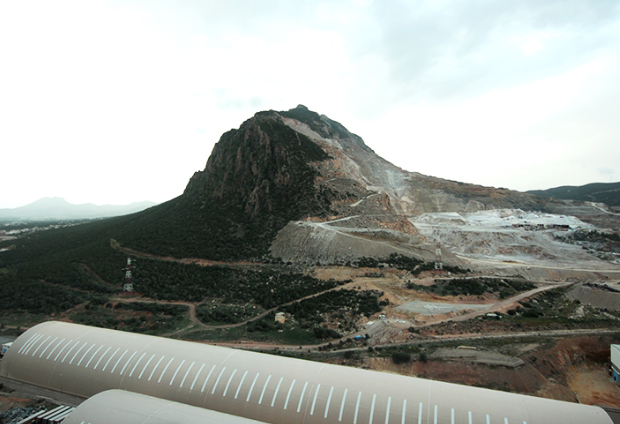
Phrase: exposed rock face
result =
(301, 187)
(362, 184)
(357, 170)
(262, 168)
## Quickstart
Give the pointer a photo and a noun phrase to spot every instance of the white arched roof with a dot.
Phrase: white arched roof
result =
(85, 361)
(120, 406)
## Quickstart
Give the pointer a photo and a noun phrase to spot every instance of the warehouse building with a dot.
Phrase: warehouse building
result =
(86, 361)
(119, 406)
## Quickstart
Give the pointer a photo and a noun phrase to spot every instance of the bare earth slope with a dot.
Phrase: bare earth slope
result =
(378, 209)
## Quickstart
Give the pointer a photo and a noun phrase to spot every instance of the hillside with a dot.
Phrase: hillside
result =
(299, 187)
(369, 264)
(267, 184)
(295, 187)
(608, 193)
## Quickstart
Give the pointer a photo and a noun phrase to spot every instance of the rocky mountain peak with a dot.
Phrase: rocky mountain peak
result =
(299, 186)
(262, 168)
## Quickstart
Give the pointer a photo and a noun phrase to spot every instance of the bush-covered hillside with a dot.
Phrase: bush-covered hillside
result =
(608, 193)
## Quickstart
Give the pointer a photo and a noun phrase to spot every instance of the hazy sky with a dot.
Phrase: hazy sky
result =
(120, 101)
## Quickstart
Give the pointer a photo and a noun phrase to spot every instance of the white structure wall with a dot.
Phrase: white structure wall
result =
(120, 406)
(85, 361)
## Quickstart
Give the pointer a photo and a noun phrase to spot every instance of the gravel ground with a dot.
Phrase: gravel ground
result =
(478, 357)
(434, 308)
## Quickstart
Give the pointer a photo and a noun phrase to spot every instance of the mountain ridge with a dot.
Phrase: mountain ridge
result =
(299, 186)
(59, 208)
(608, 193)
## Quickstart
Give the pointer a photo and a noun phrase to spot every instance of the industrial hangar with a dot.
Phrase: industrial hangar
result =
(244, 386)
(119, 406)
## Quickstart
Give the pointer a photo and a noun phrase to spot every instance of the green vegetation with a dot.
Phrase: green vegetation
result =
(478, 286)
(189, 282)
(401, 358)
(216, 312)
(20, 320)
(12, 224)
(137, 317)
(70, 266)
(264, 330)
(341, 307)
(37, 297)
(475, 286)
(402, 262)
(608, 193)
(590, 236)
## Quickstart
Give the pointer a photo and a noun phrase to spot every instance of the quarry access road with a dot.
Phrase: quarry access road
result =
(596, 206)
(436, 339)
(499, 306)
(433, 340)
(352, 234)
(514, 335)
(531, 265)
(187, 261)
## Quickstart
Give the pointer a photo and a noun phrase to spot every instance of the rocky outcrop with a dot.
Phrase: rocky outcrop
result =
(300, 186)
(263, 168)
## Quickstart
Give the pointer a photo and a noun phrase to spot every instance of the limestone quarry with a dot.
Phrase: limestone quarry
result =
(382, 209)
(479, 285)
(494, 233)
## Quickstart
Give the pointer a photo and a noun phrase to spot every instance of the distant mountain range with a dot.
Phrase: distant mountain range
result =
(608, 193)
(58, 208)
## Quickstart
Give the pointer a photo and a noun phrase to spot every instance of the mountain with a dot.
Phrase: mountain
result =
(58, 208)
(295, 186)
(608, 193)
(299, 186)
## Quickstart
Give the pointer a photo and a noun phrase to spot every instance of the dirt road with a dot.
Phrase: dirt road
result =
(532, 265)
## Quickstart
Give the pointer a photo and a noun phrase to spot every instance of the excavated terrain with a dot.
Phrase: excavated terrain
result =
(570, 369)
(378, 209)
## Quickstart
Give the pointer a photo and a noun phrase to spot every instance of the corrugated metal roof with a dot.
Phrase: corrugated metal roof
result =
(85, 361)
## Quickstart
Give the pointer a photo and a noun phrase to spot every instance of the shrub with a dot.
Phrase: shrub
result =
(400, 358)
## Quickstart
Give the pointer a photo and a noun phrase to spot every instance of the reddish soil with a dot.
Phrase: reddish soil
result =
(7, 402)
(573, 369)
(594, 386)
(525, 379)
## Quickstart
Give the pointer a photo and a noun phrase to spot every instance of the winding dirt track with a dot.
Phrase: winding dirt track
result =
(197, 261)
(434, 340)
(196, 325)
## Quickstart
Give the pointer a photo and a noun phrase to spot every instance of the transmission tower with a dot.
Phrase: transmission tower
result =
(438, 262)
(128, 286)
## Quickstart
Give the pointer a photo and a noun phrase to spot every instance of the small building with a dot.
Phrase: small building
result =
(280, 317)
(615, 362)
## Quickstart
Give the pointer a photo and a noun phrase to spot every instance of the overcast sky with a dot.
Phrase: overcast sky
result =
(111, 102)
